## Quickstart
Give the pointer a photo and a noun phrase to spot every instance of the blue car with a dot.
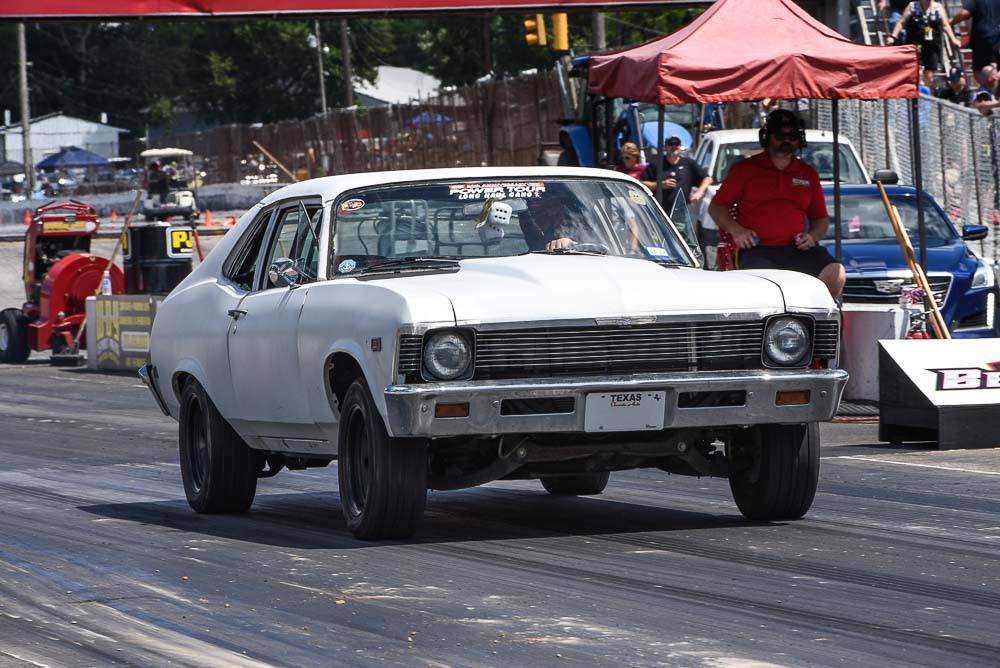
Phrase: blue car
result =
(964, 286)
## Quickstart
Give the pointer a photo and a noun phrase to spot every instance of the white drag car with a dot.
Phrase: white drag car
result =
(442, 329)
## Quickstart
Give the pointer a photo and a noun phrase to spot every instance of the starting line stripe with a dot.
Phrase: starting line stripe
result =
(924, 466)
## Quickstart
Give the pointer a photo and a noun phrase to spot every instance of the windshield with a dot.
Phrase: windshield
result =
(864, 217)
(496, 218)
(817, 154)
(684, 115)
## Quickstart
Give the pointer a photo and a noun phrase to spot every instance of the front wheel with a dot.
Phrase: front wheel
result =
(584, 484)
(219, 470)
(783, 470)
(13, 336)
(383, 480)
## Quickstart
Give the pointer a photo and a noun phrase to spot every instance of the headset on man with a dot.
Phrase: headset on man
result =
(778, 119)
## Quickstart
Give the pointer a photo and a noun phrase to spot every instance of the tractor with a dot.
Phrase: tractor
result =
(59, 275)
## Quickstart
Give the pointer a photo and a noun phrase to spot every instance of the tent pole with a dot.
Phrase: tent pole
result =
(838, 233)
(593, 131)
(918, 181)
(609, 135)
(660, 115)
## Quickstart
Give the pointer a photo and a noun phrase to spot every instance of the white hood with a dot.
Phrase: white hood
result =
(567, 287)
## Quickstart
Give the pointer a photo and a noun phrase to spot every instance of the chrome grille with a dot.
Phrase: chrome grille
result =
(410, 346)
(611, 350)
(864, 290)
(826, 338)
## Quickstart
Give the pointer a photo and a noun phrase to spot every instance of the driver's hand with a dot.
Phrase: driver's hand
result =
(556, 244)
(744, 238)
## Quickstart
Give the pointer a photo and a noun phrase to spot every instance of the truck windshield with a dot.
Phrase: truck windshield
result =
(817, 154)
(500, 217)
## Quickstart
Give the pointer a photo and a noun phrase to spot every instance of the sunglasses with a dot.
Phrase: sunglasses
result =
(786, 136)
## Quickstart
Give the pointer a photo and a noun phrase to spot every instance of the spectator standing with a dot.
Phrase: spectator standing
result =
(630, 163)
(957, 89)
(925, 22)
(774, 193)
(985, 33)
(893, 9)
(681, 174)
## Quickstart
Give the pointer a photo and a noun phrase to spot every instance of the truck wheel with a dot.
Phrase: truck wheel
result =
(13, 336)
(219, 470)
(780, 482)
(584, 484)
(383, 480)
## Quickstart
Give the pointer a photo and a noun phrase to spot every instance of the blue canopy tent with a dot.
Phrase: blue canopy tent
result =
(73, 156)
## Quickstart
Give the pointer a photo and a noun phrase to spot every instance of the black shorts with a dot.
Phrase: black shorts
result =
(812, 261)
(930, 55)
(984, 52)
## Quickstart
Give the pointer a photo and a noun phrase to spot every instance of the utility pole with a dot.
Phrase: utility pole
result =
(600, 34)
(319, 66)
(345, 51)
(486, 44)
(22, 70)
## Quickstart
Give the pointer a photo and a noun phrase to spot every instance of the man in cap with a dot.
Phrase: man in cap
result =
(680, 175)
(957, 89)
(773, 193)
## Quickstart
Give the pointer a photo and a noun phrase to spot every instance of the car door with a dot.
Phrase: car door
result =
(263, 336)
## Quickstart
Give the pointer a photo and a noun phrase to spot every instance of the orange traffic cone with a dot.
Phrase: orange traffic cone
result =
(208, 218)
(114, 216)
(27, 216)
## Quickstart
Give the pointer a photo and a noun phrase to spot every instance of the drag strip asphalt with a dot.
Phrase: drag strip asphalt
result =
(102, 562)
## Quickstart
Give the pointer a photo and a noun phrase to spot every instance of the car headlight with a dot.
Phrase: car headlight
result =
(447, 355)
(786, 342)
(984, 277)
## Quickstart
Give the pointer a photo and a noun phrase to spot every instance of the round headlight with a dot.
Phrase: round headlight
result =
(447, 355)
(786, 341)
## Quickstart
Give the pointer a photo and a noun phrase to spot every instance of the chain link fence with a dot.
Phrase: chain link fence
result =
(958, 160)
(492, 123)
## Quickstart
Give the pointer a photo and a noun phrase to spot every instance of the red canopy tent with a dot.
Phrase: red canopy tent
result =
(751, 49)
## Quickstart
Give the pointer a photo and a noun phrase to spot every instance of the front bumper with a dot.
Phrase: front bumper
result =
(411, 408)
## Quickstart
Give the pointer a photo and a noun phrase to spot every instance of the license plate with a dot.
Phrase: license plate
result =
(624, 411)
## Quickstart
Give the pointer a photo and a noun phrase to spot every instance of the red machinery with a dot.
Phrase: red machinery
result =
(59, 275)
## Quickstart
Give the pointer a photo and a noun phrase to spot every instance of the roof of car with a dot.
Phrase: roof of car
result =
(736, 136)
(871, 189)
(330, 187)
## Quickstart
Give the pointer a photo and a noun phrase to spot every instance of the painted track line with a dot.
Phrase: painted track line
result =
(924, 466)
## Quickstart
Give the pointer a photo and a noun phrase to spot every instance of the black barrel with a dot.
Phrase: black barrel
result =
(157, 257)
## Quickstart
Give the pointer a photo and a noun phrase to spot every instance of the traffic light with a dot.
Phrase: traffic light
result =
(534, 30)
(560, 32)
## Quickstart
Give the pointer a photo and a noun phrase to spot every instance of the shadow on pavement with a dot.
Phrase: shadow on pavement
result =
(314, 521)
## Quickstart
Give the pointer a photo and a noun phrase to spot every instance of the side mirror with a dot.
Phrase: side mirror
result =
(284, 273)
(886, 176)
(974, 232)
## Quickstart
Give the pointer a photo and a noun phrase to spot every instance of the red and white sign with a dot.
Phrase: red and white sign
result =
(957, 372)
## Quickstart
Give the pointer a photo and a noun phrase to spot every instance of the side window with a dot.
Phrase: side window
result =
(241, 265)
(297, 238)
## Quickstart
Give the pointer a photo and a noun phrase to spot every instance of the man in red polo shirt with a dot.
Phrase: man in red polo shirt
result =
(774, 193)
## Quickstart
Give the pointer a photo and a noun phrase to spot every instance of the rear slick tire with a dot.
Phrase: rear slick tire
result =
(13, 336)
(584, 484)
(219, 470)
(383, 480)
(780, 483)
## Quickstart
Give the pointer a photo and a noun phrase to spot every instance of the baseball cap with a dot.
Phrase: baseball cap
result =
(673, 139)
(955, 74)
